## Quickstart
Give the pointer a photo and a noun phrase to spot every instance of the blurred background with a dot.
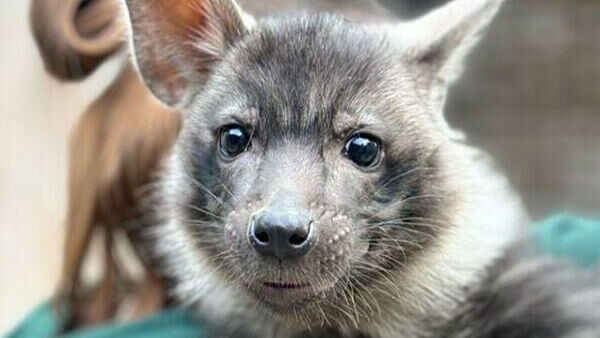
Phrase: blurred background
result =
(530, 97)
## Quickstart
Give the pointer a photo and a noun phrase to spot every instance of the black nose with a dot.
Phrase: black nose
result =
(282, 234)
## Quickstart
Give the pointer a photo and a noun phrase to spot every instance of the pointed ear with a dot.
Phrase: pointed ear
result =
(177, 43)
(436, 45)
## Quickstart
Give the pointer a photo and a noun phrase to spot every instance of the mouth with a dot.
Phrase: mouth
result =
(285, 286)
(283, 296)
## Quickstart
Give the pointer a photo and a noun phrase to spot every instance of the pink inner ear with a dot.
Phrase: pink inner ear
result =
(186, 16)
(199, 26)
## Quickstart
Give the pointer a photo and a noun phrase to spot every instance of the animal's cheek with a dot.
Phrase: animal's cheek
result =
(240, 178)
(349, 188)
(338, 241)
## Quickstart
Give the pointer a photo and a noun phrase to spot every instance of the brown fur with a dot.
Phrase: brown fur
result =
(114, 150)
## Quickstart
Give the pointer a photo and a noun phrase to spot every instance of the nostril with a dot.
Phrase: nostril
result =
(258, 233)
(297, 239)
(262, 237)
(300, 236)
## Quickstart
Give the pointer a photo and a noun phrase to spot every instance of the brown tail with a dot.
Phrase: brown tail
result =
(75, 36)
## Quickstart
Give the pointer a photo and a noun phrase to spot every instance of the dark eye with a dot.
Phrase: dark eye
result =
(234, 141)
(364, 150)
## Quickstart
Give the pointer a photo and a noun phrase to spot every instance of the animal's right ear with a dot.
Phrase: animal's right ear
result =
(177, 43)
(436, 45)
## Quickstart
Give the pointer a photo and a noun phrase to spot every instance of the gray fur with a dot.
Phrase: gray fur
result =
(528, 294)
(402, 248)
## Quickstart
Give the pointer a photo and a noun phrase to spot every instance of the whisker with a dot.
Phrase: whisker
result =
(205, 212)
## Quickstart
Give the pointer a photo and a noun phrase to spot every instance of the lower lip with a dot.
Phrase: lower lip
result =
(283, 297)
(284, 286)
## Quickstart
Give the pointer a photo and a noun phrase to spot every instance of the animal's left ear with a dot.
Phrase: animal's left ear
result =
(178, 43)
(435, 46)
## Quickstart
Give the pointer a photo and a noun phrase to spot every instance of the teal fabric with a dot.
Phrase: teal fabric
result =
(172, 323)
(571, 237)
(563, 236)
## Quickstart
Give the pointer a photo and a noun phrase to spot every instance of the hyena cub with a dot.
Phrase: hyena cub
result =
(316, 190)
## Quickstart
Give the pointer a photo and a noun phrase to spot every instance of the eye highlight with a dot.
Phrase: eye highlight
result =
(363, 149)
(233, 141)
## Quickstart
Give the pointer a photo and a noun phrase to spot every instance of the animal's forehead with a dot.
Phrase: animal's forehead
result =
(311, 72)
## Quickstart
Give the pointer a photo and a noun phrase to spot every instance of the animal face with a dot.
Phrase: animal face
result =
(307, 166)
(313, 164)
